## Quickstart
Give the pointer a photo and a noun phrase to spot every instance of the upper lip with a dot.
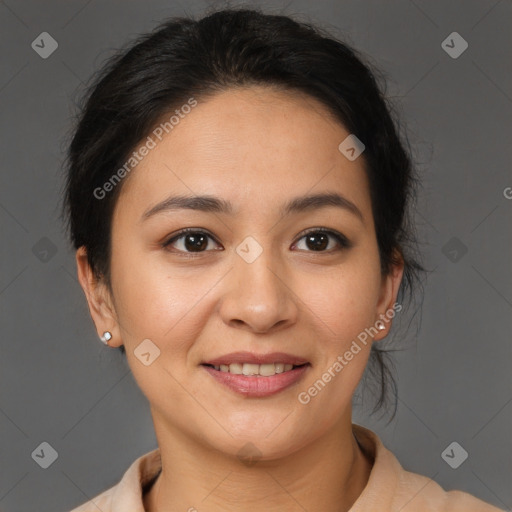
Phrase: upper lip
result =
(252, 358)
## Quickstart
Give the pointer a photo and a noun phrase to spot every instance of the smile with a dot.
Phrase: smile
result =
(260, 370)
(257, 380)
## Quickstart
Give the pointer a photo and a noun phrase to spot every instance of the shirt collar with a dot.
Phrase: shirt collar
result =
(377, 494)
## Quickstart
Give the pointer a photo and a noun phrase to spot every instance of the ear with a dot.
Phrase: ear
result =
(389, 292)
(98, 298)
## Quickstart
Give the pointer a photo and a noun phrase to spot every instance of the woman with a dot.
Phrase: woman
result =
(237, 197)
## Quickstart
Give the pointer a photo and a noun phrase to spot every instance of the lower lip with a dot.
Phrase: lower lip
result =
(257, 387)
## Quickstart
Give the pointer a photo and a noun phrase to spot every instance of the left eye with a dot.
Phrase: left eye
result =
(317, 239)
(196, 241)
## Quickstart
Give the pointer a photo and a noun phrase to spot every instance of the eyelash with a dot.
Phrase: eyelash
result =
(342, 240)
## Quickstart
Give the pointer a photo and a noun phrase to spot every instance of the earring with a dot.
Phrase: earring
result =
(381, 327)
(106, 337)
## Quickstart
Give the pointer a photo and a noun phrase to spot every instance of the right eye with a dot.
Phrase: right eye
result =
(192, 240)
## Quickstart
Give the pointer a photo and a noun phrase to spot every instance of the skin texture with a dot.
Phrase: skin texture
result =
(257, 148)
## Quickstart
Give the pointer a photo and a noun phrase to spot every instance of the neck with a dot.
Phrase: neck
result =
(329, 474)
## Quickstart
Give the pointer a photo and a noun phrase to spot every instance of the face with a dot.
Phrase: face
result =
(283, 286)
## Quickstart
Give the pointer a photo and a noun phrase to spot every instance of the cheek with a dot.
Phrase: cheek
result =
(341, 311)
(345, 302)
(153, 303)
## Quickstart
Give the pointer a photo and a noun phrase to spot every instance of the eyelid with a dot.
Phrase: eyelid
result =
(183, 232)
(343, 241)
(340, 237)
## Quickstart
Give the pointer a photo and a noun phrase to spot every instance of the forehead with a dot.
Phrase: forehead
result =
(250, 145)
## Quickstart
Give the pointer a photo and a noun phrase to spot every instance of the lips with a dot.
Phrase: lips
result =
(252, 358)
(257, 386)
(257, 375)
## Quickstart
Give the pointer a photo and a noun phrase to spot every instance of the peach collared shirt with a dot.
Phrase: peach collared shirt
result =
(389, 489)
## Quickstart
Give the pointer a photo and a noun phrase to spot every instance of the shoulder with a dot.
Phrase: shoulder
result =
(391, 488)
(419, 493)
(128, 492)
(101, 502)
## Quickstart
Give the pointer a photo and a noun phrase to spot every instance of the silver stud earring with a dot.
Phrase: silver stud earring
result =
(106, 337)
(381, 327)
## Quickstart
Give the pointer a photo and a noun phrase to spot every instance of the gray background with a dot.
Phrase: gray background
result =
(60, 385)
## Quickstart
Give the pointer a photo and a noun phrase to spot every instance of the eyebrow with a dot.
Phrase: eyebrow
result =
(213, 204)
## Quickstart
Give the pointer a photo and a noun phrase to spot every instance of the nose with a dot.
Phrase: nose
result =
(259, 295)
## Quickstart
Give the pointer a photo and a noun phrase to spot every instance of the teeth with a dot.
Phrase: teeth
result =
(261, 370)
(251, 369)
(235, 368)
(267, 369)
